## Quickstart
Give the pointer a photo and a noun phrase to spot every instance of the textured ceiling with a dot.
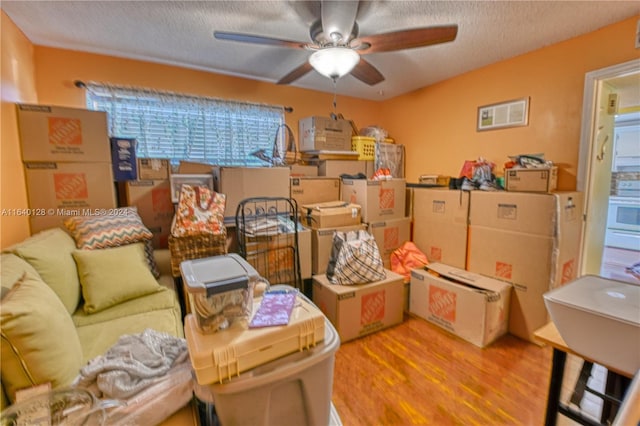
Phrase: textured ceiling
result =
(181, 33)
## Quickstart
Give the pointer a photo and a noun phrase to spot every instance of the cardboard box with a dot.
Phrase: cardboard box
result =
(335, 168)
(390, 235)
(152, 198)
(194, 168)
(469, 305)
(322, 243)
(153, 168)
(54, 134)
(440, 221)
(330, 214)
(358, 310)
(303, 170)
(123, 159)
(312, 190)
(531, 180)
(324, 134)
(59, 190)
(529, 240)
(380, 199)
(238, 183)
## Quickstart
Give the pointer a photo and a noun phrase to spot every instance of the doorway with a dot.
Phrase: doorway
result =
(607, 93)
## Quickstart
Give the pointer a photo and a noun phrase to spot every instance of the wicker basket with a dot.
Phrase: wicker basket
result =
(195, 247)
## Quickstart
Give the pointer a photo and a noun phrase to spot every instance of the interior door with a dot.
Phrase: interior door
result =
(599, 179)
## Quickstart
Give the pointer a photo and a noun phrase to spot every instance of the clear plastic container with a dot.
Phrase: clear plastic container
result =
(220, 290)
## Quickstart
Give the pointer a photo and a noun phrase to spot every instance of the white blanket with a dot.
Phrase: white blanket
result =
(134, 363)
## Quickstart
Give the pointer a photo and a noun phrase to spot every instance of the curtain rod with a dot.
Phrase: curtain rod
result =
(82, 85)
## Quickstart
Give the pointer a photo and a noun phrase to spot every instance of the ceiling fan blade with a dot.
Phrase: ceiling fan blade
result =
(268, 41)
(408, 39)
(338, 17)
(296, 73)
(367, 73)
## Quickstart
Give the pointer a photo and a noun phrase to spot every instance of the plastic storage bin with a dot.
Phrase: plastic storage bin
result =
(220, 290)
(293, 390)
(220, 356)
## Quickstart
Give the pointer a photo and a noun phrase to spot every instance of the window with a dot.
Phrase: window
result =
(181, 127)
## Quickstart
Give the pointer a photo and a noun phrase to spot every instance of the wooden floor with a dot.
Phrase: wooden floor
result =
(417, 374)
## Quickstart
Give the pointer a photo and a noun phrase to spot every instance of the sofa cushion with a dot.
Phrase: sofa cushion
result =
(49, 252)
(163, 299)
(121, 228)
(12, 268)
(97, 338)
(113, 275)
(31, 353)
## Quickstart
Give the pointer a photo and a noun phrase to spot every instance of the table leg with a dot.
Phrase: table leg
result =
(555, 386)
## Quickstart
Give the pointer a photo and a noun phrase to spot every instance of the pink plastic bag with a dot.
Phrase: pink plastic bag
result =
(407, 257)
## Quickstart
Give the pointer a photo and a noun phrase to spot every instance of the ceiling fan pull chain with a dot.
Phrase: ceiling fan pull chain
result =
(335, 96)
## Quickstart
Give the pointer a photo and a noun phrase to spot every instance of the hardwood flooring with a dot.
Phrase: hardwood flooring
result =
(418, 374)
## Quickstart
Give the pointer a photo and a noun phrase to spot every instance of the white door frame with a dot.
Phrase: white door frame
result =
(587, 131)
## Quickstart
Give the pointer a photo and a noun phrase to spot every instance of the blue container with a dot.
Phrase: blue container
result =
(123, 159)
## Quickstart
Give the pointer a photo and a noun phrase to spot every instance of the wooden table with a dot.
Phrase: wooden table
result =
(549, 335)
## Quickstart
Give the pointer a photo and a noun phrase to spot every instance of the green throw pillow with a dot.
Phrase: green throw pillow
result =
(49, 252)
(111, 276)
(39, 341)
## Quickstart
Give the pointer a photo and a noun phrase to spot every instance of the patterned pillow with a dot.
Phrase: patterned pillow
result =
(124, 226)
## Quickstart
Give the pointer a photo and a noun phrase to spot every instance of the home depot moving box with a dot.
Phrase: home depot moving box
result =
(311, 190)
(380, 199)
(531, 240)
(238, 183)
(358, 310)
(440, 224)
(322, 244)
(52, 133)
(59, 190)
(152, 198)
(468, 305)
(390, 235)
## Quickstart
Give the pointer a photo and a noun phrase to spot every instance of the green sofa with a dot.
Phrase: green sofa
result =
(61, 306)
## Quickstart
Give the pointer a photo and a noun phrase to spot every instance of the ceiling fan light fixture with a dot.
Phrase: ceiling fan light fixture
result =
(334, 62)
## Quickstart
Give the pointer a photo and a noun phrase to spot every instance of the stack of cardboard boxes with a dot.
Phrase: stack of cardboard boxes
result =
(529, 240)
(67, 162)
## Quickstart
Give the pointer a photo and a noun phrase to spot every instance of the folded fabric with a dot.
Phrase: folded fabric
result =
(134, 363)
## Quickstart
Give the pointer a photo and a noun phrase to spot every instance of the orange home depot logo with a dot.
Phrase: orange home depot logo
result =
(372, 308)
(568, 271)
(65, 131)
(387, 198)
(391, 238)
(504, 270)
(435, 254)
(70, 186)
(161, 200)
(442, 303)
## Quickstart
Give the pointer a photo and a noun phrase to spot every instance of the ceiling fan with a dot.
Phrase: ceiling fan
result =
(338, 49)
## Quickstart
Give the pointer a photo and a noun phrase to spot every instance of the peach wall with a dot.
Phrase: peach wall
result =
(57, 69)
(438, 123)
(18, 85)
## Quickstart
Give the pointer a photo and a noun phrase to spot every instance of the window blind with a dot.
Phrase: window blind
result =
(182, 127)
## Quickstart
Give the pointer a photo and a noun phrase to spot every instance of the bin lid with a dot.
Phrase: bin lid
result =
(217, 274)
